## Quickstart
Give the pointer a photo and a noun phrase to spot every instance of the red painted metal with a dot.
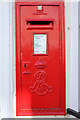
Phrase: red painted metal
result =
(40, 78)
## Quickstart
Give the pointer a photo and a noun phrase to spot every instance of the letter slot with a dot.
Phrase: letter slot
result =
(39, 24)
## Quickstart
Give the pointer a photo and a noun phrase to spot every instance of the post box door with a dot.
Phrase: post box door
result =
(40, 60)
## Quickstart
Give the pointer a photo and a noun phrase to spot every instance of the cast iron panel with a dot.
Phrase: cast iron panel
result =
(40, 78)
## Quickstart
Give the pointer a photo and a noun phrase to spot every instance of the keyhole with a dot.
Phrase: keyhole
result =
(25, 65)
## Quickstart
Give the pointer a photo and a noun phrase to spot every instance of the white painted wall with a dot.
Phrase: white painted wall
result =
(79, 55)
(74, 57)
(7, 47)
(6, 59)
(0, 60)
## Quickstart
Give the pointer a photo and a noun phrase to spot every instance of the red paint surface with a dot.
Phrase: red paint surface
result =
(40, 79)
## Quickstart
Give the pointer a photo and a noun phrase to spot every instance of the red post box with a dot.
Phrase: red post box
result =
(40, 58)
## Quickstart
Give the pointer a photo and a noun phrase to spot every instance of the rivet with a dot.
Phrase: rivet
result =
(68, 28)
